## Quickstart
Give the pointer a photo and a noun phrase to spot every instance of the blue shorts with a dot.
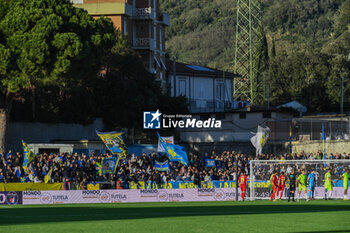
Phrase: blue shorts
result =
(312, 187)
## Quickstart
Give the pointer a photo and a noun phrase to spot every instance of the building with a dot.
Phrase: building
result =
(142, 22)
(207, 89)
(237, 125)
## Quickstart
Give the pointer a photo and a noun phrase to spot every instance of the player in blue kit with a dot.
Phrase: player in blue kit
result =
(312, 184)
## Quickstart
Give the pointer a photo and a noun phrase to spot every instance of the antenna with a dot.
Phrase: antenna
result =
(248, 52)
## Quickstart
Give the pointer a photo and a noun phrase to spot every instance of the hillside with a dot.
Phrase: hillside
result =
(308, 44)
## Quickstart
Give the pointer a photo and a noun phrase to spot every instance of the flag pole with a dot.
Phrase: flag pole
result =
(323, 144)
(290, 140)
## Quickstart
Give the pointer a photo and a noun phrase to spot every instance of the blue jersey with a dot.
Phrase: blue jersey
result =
(312, 179)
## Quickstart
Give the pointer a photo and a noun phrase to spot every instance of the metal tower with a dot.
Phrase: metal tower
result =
(249, 33)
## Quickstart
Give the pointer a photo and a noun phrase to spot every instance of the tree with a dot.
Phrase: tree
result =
(131, 91)
(261, 65)
(47, 43)
(343, 21)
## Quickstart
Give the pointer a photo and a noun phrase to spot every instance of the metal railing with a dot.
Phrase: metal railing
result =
(144, 13)
(144, 43)
(202, 106)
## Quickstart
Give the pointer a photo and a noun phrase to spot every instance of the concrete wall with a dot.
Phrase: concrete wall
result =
(334, 146)
(62, 148)
(45, 133)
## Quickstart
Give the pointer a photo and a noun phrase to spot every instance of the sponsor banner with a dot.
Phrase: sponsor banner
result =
(10, 198)
(259, 184)
(265, 193)
(136, 195)
(191, 185)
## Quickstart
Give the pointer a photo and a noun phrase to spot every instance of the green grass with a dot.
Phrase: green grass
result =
(258, 216)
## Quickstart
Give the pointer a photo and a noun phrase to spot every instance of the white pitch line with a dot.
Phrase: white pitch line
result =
(121, 215)
(141, 214)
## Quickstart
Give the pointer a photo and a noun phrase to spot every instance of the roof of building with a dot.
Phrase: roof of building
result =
(248, 109)
(198, 71)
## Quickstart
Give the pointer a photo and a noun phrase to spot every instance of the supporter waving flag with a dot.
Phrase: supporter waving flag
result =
(28, 156)
(109, 165)
(174, 152)
(47, 178)
(114, 141)
(98, 168)
(164, 167)
(260, 138)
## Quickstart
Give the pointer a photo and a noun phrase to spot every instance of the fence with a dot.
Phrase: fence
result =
(304, 129)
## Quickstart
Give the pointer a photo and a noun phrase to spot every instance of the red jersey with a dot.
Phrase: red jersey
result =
(282, 180)
(274, 180)
(242, 180)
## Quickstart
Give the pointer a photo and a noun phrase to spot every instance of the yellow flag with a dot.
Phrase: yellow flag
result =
(48, 176)
(114, 142)
(28, 156)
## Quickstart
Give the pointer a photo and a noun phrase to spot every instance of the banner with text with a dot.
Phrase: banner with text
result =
(139, 195)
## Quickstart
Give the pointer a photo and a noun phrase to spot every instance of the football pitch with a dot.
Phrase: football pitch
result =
(258, 216)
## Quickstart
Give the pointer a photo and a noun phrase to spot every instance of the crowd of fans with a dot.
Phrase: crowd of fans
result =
(76, 171)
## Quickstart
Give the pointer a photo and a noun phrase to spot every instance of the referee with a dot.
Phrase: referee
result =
(292, 184)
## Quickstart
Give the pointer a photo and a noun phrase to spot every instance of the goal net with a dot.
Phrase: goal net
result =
(263, 169)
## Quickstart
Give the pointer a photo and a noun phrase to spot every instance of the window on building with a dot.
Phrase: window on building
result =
(182, 87)
(219, 91)
(242, 115)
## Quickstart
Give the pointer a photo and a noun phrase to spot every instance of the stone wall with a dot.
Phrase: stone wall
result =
(333, 146)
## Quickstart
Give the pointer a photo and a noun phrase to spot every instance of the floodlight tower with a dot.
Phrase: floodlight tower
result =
(249, 33)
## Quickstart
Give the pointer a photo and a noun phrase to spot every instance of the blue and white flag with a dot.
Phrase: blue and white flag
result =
(174, 152)
(210, 162)
(166, 139)
(163, 167)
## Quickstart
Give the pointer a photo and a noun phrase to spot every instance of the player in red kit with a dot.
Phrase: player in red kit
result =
(281, 184)
(274, 181)
(242, 180)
